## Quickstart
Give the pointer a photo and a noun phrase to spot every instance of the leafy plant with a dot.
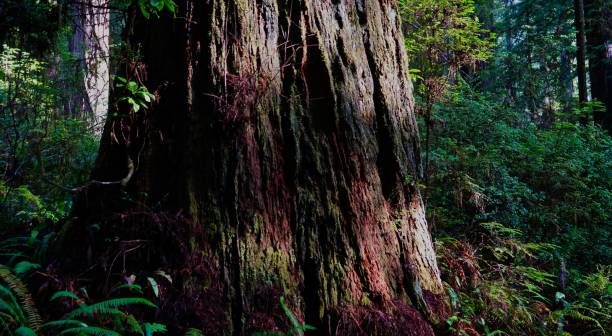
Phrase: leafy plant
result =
(19, 312)
(442, 37)
(499, 288)
(108, 317)
(297, 328)
(137, 96)
(43, 152)
(155, 7)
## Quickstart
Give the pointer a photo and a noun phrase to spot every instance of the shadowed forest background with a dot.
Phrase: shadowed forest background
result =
(305, 167)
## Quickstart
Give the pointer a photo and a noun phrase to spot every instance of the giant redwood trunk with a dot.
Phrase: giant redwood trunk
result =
(280, 158)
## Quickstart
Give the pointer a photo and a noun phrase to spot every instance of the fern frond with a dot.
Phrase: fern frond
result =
(19, 242)
(130, 287)
(152, 328)
(62, 324)
(7, 320)
(21, 291)
(64, 294)
(107, 306)
(4, 324)
(24, 331)
(25, 267)
(43, 247)
(133, 324)
(8, 303)
(193, 332)
(575, 314)
(94, 331)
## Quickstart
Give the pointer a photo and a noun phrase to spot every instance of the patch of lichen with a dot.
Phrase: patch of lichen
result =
(266, 265)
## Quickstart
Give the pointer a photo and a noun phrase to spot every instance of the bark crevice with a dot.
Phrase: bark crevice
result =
(287, 130)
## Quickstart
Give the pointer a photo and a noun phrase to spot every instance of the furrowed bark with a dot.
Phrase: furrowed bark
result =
(90, 46)
(284, 133)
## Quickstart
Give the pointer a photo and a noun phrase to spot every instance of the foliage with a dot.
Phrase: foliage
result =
(155, 7)
(532, 71)
(19, 312)
(510, 146)
(17, 308)
(29, 24)
(137, 96)
(45, 156)
(108, 317)
(442, 38)
(37, 145)
(298, 328)
(498, 288)
(504, 143)
(554, 184)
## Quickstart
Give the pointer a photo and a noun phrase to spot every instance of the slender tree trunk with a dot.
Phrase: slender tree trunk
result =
(566, 80)
(280, 142)
(599, 47)
(580, 51)
(90, 45)
(510, 97)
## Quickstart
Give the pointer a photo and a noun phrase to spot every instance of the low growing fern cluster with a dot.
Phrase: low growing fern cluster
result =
(497, 286)
(19, 315)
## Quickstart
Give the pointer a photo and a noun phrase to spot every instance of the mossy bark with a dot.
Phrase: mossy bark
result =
(285, 134)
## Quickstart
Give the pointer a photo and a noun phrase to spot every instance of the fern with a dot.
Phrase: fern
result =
(130, 287)
(575, 314)
(64, 294)
(133, 324)
(24, 267)
(95, 331)
(43, 246)
(21, 292)
(152, 328)
(24, 331)
(62, 324)
(8, 303)
(194, 332)
(297, 328)
(107, 306)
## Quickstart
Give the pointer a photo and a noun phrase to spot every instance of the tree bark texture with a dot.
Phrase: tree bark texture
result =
(583, 95)
(599, 51)
(283, 136)
(90, 45)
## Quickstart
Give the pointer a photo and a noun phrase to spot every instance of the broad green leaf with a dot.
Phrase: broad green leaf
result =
(154, 286)
(25, 266)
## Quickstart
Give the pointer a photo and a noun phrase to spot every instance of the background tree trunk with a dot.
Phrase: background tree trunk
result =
(90, 45)
(281, 142)
(580, 52)
(599, 47)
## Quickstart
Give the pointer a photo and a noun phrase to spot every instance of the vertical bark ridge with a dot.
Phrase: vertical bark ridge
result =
(285, 133)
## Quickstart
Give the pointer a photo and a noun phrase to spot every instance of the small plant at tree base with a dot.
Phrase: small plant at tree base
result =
(297, 328)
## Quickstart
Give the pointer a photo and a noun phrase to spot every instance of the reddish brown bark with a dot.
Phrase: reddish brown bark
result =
(283, 134)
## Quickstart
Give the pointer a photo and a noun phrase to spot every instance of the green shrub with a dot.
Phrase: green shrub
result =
(497, 287)
(553, 184)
